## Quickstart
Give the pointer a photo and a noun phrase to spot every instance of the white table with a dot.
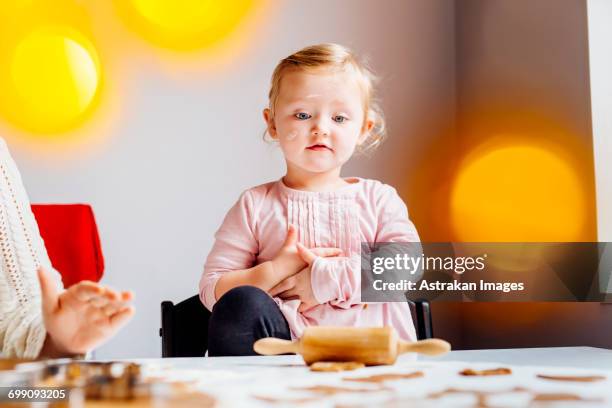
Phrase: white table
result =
(237, 381)
(581, 357)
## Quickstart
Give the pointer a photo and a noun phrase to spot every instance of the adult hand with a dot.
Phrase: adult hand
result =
(299, 285)
(81, 317)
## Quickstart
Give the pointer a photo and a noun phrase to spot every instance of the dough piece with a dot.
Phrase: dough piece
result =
(333, 390)
(551, 397)
(490, 371)
(286, 401)
(335, 366)
(573, 378)
(380, 378)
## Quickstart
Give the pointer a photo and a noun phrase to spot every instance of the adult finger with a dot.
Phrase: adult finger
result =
(111, 294)
(85, 290)
(122, 316)
(113, 307)
(99, 301)
(127, 296)
(116, 302)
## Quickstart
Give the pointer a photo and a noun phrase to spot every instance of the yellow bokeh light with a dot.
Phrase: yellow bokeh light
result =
(54, 77)
(185, 24)
(517, 193)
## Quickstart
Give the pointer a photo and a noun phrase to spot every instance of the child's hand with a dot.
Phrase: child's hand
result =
(288, 261)
(298, 286)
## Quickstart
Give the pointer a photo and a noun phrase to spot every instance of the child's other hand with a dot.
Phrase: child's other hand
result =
(298, 286)
(288, 261)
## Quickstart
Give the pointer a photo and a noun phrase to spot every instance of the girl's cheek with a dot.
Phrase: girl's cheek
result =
(293, 132)
(292, 135)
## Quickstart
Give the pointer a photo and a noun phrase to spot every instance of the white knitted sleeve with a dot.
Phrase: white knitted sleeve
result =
(22, 250)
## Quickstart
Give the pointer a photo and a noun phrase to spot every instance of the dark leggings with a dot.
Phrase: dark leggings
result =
(243, 315)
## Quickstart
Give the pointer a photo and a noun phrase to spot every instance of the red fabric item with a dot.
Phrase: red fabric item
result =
(71, 238)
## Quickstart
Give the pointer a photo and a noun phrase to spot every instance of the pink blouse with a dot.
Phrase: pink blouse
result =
(254, 230)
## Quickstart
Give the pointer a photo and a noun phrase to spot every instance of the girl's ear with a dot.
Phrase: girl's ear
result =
(365, 131)
(267, 114)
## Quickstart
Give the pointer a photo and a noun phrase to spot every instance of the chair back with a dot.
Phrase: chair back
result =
(184, 330)
(71, 239)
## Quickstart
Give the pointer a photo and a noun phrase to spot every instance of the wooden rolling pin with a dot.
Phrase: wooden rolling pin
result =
(367, 345)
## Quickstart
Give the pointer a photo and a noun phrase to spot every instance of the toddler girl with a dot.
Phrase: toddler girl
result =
(287, 255)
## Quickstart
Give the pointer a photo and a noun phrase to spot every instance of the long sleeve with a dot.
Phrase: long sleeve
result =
(338, 280)
(22, 250)
(235, 247)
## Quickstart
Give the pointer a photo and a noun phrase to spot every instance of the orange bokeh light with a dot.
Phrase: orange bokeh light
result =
(184, 25)
(517, 193)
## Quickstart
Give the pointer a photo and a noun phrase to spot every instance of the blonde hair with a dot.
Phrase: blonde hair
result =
(336, 57)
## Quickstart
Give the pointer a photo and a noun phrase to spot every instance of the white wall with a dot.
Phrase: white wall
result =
(600, 61)
(184, 150)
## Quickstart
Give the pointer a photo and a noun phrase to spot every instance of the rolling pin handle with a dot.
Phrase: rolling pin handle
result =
(271, 346)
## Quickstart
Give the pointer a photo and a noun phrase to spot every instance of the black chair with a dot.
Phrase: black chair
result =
(421, 317)
(184, 330)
